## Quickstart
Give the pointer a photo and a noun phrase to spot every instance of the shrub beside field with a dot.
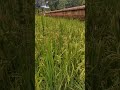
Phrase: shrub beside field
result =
(59, 54)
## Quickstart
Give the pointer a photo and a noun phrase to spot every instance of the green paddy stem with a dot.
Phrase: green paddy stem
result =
(59, 54)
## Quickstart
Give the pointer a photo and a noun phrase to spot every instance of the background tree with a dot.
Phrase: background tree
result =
(62, 4)
(39, 3)
(53, 4)
(82, 2)
(59, 4)
(72, 3)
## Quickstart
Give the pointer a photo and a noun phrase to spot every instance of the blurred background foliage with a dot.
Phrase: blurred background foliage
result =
(17, 45)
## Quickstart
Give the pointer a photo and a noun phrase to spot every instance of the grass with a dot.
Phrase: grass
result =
(59, 54)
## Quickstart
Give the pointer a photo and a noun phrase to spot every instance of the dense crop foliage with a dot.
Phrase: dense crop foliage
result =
(59, 54)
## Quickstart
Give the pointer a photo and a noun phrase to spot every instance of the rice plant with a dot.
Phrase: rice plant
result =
(59, 54)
